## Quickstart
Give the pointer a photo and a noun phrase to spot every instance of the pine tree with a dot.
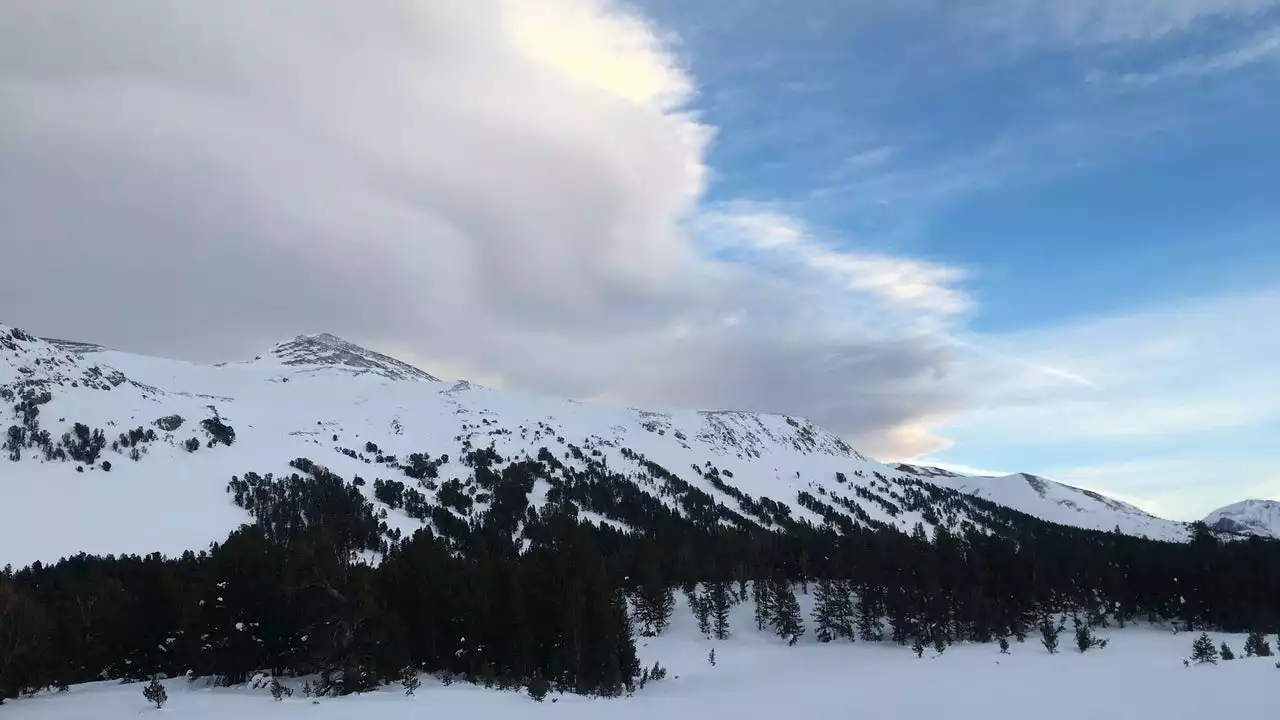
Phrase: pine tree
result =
(939, 642)
(711, 657)
(1204, 651)
(917, 647)
(1085, 639)
(720, 600)
(701, 606)
(787, 622)
(1226, 651)
(1256, 645)
(154, 692)
(1004, 645)
(539, 688)
(409, 680)
(832, 610)
(654, 599)
(279, 691)
(870, 608)
(763, 603)
(1049, 635)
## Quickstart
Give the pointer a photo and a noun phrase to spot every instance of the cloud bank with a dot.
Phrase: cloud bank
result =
(511, 190)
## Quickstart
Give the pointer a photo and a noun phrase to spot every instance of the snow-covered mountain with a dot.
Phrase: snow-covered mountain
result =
(112, 452)
(1248, 517)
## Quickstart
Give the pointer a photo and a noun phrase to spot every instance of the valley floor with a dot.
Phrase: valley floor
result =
(1139, 675)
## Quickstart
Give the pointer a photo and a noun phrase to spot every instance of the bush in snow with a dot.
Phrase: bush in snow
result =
(1226, 652)
(1256, 645)
(1049, 635)
(154, 693)
(169, 423)
(219, 431)
(538, 686)
(409, 679)
(1085, 639)
(279, 690)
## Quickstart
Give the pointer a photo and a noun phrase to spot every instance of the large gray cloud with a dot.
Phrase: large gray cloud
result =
(499, 187)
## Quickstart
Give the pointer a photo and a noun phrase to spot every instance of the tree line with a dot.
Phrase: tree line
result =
(508, 594)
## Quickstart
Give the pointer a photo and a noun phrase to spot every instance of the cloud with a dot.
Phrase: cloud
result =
(1171, 371)
(1171, 394)
(1092, 22)
(1179, 487)
(773, 237)
(510, 189)
(1257, 48)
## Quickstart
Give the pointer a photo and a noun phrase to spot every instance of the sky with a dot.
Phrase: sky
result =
(1002, 235)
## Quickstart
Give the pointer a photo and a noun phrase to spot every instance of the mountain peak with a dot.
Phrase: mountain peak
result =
(1247, 517)
(329, 350)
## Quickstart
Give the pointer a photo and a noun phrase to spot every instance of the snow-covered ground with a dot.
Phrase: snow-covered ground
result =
(1139, 675)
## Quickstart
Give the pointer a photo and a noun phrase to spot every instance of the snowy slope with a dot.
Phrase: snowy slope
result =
(1248, 517)
(1139, 675)
(322, 398)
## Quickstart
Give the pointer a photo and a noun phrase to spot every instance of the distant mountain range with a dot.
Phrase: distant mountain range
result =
(121, 453)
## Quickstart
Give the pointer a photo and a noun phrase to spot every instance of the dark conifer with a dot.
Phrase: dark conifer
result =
(155, 693)
(409, 680)
(719, 601)
(654, 598)
(1085, 639)
(539, 688)
(1049, 635)
(832, 610)
(786, 620)
(1204, 651)
(279, 691)
(1256, 645)
(763, 603)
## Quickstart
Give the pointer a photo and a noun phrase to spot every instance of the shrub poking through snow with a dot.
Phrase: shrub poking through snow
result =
(279, 690)
(539, 688)
(409, 680)
(1256, 645)
(154, 693)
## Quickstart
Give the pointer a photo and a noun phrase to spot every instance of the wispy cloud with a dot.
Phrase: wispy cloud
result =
(1257, 48)
(1178, 486)
(1092, 22)
(1193, 381)
(772, 238)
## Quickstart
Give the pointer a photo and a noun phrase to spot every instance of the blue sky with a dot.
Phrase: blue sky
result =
(1105, 174)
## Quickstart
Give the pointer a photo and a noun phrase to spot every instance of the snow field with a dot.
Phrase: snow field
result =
(1138, 676)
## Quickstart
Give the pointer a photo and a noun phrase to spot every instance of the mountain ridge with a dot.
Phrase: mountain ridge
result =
(322, 398)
